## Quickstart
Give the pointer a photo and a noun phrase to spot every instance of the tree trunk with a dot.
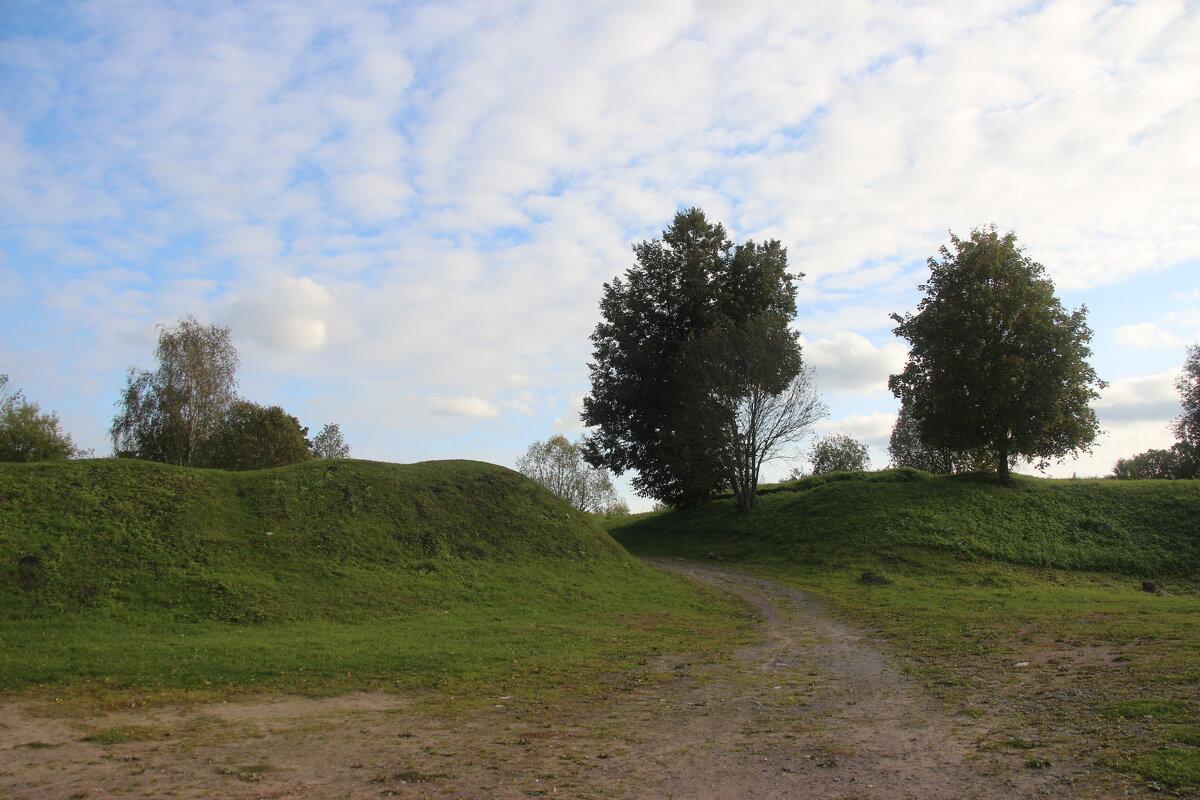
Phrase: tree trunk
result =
(1002, 465)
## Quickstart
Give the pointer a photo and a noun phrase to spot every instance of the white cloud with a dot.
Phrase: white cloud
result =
(372, 196)
(571, 421)
(1145, 335)
(850, 361)
(1149, 397)
(253, 243)
(456, 181)
(474, 407)
(1189, 319)
(288, 314)
(1135, 415)
(523, 402)
(873, 429)
(1119, 440)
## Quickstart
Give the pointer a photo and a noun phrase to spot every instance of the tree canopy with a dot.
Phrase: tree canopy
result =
(908, 449)
(752, 396)
(27, 434)
(837, 452)
(1155, 464)
(250, 436)
(329, 443)
(168, 414)
(558, 464)
(187, 412)
(995, 361)
(1187, 424)
(681, 287)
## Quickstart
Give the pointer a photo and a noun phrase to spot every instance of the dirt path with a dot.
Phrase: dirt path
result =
(813, 710)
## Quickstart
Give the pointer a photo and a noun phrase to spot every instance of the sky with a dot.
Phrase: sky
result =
(406, 212)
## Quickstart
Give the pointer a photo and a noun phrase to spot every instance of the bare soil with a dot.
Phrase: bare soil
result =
(814, 709)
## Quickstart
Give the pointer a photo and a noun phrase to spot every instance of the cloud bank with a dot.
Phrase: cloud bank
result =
(398, 207)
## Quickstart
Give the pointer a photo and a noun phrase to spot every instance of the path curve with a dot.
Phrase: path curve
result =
(876, 732)
(813, 709)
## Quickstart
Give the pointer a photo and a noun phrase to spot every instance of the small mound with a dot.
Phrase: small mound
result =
(1136, 527)
(321, 539)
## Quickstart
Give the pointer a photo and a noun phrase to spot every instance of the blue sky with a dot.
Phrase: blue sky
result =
(406, 211)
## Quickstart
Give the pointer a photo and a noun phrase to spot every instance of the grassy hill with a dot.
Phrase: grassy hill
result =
(1147, 528)
(323, 540)
(130, 573)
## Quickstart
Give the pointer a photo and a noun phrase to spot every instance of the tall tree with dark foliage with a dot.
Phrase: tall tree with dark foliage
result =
(995, 360)
(683, 286)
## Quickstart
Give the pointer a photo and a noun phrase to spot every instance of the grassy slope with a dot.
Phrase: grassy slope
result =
(984, 577)
(334, 574)
(1145, 528)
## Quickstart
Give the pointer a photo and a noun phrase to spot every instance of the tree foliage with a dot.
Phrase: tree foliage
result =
(753, 395)
(1187, 424)
(27, 434)
(558, 464)
(1171, 464)
(250, 436)
(168, 414)
(682, 286)
(995, 361)
(837, 452)
(908, 449)
(329, 443)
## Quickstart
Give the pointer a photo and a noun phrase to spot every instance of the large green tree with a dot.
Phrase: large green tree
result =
(995, 361)
(250, 436)
(682, 286)
(168, 414)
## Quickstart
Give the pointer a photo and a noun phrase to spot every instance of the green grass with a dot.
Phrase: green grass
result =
(122, 578)
(1174, 768)
(982, 578)
(1149, 708)
(1145, 528)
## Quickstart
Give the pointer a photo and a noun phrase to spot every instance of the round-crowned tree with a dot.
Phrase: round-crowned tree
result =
(251, 436)
(837, 452)
(995, 361)
(329, 443)
(558, 464)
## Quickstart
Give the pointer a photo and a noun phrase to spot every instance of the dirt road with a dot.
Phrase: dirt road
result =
(814, 709)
